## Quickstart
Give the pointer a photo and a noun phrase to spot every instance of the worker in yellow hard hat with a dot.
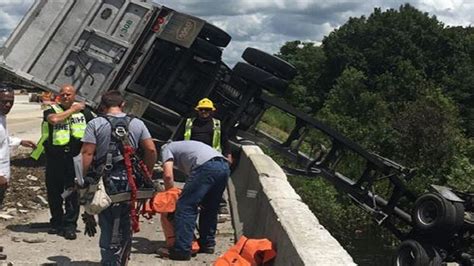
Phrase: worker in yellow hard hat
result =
(204, 104)
(205, 128)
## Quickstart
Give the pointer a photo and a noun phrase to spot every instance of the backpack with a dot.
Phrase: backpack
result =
(121, 154)
(120, 147)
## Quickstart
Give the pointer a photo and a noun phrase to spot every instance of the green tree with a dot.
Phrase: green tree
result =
(304, 90)
(400, 84)
(385, 41)
(393, 76)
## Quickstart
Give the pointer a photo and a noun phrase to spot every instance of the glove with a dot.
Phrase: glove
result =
(90, 223)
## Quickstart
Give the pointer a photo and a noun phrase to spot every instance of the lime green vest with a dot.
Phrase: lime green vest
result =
(216, 137)
(74, 126)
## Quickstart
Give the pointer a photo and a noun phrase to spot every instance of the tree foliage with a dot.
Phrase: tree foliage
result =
(401, 84)
(397, 49)
(304, 90)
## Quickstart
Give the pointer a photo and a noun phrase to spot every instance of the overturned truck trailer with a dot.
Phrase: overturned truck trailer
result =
(162, 60)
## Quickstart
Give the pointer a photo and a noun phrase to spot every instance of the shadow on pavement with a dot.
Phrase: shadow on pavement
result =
(145, 246)
(25, 161)
(63, 260)
(32, 228)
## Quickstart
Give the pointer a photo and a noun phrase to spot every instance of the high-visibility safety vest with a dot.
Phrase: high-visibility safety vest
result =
(248, 252)
(216, 137)
(74, 126)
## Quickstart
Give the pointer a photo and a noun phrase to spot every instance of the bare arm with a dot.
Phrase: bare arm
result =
(53, 119)
(150, 154)
(3, 181)
(87, 152)
(230, 159)
(28, 144)
(168, 177)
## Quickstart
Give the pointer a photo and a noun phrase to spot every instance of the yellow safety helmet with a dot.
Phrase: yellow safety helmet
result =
(205, 104)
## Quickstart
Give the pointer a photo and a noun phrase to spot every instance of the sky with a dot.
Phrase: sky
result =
(268, 24)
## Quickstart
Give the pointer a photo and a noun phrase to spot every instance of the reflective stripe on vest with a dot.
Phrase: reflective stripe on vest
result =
(78, 125)
(36, 153)
(60, 130)
(216, 136)
(74, 125)
(189, 126)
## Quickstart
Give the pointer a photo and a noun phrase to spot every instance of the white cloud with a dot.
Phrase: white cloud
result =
(268, 24)
(11, 11)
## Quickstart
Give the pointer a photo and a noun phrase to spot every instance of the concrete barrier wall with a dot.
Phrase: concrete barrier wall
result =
(264, 205)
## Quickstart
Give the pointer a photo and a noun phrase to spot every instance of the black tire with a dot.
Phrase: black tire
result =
(206, 50)
(434, 213)
(260, 77)
(413, 253)
(214, 35)
(459, 214)
(269, 63)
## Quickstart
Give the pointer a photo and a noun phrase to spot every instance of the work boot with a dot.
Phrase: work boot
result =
(176, 255)
(70, 235)
(163, 252)
(54, 231)
(3, 256)
(206, 250)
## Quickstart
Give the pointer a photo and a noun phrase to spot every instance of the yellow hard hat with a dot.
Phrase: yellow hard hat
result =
(205, 104)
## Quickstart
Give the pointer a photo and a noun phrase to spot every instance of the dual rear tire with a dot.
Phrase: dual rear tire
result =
(435, 218)
(413, 253)
(434, 214)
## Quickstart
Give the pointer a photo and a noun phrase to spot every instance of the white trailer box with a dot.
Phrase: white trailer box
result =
(91, 44)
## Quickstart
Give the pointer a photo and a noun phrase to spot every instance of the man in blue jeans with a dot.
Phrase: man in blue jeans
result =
(208, 172)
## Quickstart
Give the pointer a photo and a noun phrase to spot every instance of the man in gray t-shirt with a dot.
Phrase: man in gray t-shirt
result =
(115, 237)
(98, 133)
(208, 173)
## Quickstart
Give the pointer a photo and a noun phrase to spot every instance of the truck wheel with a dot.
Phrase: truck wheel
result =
(260, 77)
(459, 215)
(206, 50)
(413, 253)
(215, 35)
(269, 63)
(433, 213)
